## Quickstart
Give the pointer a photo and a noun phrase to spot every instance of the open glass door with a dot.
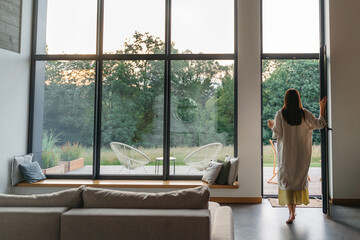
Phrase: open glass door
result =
(291, 59)
(324, 132)
(324, 135)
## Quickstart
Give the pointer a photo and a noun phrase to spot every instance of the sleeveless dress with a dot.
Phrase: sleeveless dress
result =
(294, 155)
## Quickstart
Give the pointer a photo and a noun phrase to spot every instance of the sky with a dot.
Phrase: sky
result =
(205, 26)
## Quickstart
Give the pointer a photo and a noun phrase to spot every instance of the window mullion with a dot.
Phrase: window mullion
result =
(98, 90)
(167, 89)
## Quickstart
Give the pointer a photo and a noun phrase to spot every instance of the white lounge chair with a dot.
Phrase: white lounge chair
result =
(201, 157)
(129, 157)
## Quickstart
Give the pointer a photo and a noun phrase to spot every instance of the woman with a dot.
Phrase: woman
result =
(292, 127)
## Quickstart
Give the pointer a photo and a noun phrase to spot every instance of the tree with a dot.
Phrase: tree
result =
(202, 95)
(280, 75)
(68, 100)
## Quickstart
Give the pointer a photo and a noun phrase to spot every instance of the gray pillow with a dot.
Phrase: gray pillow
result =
(224, 173)
(32, 172)
(234, 168)
(67, 198)
(212, 172)
(16, 175)
(192, 198)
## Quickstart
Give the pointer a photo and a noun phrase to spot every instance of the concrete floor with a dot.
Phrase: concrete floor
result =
(261, 221)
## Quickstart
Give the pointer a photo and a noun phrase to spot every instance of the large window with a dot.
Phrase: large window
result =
(133, 89)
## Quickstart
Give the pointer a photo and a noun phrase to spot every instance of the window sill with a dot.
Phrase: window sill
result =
(124, 183)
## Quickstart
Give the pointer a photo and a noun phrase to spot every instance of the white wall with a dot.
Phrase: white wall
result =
(249, 100)
(14, 95)
(344, 47)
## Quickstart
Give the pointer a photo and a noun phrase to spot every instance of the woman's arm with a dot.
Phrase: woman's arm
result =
(317, 123)
(322, 104)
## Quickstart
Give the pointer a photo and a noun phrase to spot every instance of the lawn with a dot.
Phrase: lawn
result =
(268, 156)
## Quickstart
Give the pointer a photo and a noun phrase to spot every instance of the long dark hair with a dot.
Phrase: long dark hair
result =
(292, 110)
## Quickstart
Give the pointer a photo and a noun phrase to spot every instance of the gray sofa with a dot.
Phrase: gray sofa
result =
(92, 213)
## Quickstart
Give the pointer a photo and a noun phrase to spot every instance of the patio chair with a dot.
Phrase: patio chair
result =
(274, 146)
(129, 157)
(200, 158)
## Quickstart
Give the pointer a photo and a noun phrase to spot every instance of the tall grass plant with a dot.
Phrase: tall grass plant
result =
(48, 156)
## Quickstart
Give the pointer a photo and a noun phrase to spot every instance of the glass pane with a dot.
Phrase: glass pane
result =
(202, 26)
(202, 114)
(132, 117)
(291, 26)
(278, 76)
(127, 22)
(68, 116)
(70, 27)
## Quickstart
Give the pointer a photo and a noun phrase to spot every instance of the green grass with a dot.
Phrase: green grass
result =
(268, 156)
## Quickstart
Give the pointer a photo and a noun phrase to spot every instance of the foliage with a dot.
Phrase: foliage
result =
(69, 100)
(49, 159)
(49, 141)
(280, 75)
(70, 151)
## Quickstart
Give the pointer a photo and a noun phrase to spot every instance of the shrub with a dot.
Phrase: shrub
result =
(70, 151)
(49, 159)
(48, 143)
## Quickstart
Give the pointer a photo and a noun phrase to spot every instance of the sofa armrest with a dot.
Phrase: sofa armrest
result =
(223, 228)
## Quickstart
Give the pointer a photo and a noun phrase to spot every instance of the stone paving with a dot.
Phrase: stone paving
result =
(314, 184)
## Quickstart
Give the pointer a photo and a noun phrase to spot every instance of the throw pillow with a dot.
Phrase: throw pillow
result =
(224, 173)
(192, 198)
(212, 172)
(32, 172)
(71, 198)
(16, 175)
(233, 172)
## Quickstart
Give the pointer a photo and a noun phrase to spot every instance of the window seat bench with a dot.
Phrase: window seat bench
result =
(106, 183)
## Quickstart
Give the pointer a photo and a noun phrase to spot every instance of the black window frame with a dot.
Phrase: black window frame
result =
(34, 145)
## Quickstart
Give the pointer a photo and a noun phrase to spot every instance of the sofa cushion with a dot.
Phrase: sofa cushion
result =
(67, 198)
(139, 224)
(224, 172)
(30, 223)
(16, 175)
(234, 168)
(193, 198)
(32, 172)
(212, 172)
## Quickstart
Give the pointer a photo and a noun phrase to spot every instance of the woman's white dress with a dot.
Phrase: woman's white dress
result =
(294, 145)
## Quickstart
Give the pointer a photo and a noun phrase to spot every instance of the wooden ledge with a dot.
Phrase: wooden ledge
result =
(124, 183)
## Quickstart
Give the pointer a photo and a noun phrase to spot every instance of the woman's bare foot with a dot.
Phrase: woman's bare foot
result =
(291, 219)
